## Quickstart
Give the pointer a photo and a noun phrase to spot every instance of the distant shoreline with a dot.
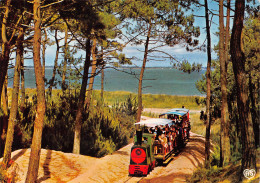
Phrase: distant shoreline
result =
(122, 67)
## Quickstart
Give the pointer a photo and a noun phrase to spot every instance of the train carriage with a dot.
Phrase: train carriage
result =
(148, 149)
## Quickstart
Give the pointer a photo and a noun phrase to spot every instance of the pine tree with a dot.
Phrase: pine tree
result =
(40, 88)
(160, 23)
(225, 142)
(238, 60)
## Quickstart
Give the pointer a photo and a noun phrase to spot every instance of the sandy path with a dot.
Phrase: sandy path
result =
(114, 168)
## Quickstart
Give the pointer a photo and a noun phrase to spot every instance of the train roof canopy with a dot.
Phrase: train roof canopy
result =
(177, 111)
(155, 122)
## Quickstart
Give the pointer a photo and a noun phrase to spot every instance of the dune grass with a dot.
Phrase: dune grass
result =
(149, 100)
(153, 100)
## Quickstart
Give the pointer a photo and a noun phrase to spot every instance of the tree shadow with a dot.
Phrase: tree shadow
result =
(21, 152)
(47, 173)
(192, 154)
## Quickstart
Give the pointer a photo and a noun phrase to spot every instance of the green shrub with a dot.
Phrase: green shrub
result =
(206, 175)
(105, 129)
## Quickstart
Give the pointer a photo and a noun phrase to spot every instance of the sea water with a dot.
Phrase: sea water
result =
(156, 80)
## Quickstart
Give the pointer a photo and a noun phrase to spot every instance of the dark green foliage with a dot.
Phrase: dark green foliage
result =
(108, 129)
(105, 130)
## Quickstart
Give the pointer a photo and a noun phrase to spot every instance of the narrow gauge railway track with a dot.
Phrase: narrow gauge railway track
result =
(134, 179)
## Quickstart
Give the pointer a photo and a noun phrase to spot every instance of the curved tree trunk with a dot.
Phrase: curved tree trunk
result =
(40, 88)
(238, 60)
(80, 110)
(5, 96)
(225, 142)
(14, 105)
(208, 103)
(140, 85)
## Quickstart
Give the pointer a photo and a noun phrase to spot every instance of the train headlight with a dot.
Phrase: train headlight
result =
(138, 155)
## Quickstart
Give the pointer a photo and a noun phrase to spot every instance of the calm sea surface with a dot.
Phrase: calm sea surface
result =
(156, 80)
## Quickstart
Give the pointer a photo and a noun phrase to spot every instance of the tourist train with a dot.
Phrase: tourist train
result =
(157, 139)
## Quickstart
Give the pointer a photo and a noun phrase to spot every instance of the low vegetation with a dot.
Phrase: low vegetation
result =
(105, 128)
(154, 100)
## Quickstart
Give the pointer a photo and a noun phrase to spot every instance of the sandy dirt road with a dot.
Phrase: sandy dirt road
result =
(62, 167)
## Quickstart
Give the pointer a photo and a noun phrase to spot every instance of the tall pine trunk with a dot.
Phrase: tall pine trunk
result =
(55, 63)
(80, 110)
(40, 88)
(63, 82)
(14, 104)
(140, 85)
(92, 76)
(238, 60)
(102, 76)
(225, 142)
(208, 102)
(4, 57)
(43, 51)
(22, 104)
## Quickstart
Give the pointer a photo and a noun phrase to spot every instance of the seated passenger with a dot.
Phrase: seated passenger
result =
(169, 139)
(163, 140)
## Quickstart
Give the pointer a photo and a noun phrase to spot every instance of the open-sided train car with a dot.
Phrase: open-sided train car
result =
(155, 141)
(181, 117)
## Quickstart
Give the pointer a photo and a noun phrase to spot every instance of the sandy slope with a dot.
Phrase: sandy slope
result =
(56, 166)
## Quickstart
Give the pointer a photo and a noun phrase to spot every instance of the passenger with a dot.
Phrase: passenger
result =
(146, 130)
(151, 130)
(167, 129)
(155, 132)
(180, 138)
(159, 131)
(174, 137)
(169, 139)
(163, 140)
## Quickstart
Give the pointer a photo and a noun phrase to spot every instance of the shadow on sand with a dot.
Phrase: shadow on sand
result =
(15, 157)
(47, 173)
